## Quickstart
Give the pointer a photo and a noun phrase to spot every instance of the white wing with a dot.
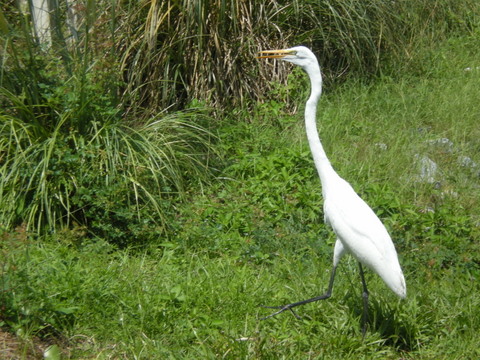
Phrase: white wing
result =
(363, 234)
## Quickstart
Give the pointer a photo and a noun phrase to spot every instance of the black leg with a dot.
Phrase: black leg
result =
(292, 305)
(365, 301)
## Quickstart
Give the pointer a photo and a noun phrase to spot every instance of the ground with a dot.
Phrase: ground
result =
(13, 348)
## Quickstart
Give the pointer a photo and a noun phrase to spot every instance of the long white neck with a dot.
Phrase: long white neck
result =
(320, 159)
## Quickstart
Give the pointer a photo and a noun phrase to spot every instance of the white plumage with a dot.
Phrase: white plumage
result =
(359, 231)
(362, 234)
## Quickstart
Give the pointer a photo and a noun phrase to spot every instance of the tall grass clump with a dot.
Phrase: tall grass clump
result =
(69, 152)
(176, 51)
(169, 53)
(363, 37)
(173, 52)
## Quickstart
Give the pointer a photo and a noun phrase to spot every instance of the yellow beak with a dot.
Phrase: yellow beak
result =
(274, 54)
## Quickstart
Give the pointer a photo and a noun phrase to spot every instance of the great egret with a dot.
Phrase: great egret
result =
(359, 231)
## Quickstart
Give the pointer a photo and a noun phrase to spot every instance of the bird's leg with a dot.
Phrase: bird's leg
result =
(365, 301)
(290, 307)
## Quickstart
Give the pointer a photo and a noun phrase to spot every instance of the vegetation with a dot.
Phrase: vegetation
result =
(176, 51)
(73, 153)
(133, 230)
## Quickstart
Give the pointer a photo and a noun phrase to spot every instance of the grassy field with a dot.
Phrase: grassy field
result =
(256, 236)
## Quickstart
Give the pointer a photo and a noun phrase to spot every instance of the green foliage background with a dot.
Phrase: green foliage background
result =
(156, 185)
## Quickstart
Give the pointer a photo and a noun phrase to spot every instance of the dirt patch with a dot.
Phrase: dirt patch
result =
(13, 348)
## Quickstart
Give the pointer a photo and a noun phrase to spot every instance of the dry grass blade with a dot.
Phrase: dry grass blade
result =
(203, 50)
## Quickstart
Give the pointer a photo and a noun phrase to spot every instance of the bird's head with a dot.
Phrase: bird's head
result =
(298, 55)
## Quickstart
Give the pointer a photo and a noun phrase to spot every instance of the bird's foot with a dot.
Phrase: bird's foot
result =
(281, 308)
(364, 331)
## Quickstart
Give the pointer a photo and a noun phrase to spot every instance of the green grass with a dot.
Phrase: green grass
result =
(170, 303)
(257, 237)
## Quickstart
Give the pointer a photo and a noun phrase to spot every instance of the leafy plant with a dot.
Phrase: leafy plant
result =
(70, 154)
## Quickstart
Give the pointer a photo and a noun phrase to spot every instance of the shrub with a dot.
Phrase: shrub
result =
(69, 153)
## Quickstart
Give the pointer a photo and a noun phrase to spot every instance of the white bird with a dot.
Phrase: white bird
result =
(359, 231)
